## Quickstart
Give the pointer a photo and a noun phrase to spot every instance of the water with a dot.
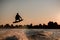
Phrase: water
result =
(31, 34)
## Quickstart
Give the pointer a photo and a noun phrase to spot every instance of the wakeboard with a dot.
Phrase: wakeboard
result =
(18, 21)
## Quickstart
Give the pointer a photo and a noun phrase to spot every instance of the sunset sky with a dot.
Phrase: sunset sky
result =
(32, 11)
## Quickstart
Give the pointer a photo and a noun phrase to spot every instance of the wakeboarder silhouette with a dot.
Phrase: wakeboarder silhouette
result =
(18, 18)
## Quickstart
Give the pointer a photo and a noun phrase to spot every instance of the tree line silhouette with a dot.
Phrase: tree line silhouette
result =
(50, 25)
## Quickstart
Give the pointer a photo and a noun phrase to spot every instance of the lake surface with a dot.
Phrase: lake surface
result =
(31, 34)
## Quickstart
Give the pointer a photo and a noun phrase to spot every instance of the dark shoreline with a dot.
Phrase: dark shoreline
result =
(50, 25)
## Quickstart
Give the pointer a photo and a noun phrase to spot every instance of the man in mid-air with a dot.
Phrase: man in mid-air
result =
(18, 17)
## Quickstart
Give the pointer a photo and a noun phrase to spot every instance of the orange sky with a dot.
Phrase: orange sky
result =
(32, 11)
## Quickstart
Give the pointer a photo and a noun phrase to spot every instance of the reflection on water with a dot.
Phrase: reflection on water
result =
(31, 34)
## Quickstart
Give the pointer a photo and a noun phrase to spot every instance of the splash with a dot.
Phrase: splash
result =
(19, 33)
